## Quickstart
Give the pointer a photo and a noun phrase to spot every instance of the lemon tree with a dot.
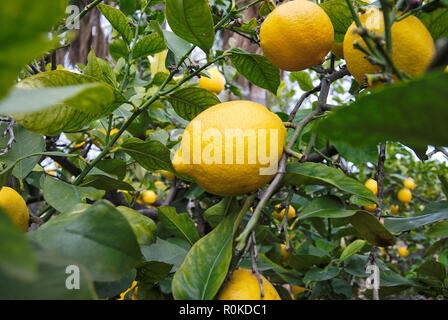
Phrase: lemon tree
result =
(209, 155)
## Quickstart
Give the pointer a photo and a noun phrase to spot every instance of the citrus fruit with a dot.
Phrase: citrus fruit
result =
(279, 215)
(285, 253)
(394, 209)
(372, 185)
(215, 83)
(12, 203)
(134, 294)
(371, 208)
(405, 195)
(403, 252)
(224, 148)
(148, 197)
(160, 185)
(297, 289)
(296, 35)
(337, 50)
(244, 286)
(383, 251)
(168, 175)
(412, 45)
(409, 183)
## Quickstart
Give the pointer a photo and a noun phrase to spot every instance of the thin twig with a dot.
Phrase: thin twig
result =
(9, 130)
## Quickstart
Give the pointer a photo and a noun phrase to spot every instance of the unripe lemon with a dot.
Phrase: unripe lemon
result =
(405, 195)
(412, 45)
(279, 215)
(394, 209)
(409, 183)
(224, 148)
(12, 203)
(244, 286)
(285, 253)
(148, 197)
(372, 185)
(296, 35)
(371, 208)
(134, 294)
(215, 83)
(338, 50)
(403, 252)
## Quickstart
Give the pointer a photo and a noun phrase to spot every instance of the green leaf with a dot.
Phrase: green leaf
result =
(444, 184)
(111, 289)
(192, 21)
(145, 229)
(99, 238)
(319, 174)
(118, 21)
(340, 16)
(150, 154)
(303, 78)
(439, 229)
(433, 269)
(357, 155)
(352, 249)
(189, 102)
(325, 207)
(148, 46)
(16, 257)
(399, 112)
(177, 45)
(257, 69)
(118, 49)
(153, 271)
(100, 69)
(180, 225)
(165, 251)
(433, 212)
(217, 212)
(55, 101)
(24, 35)
(26, 143)
(63, 196)
(371, 229)
(205, 267)
(317, 274)
(103, 182)
(436, 22)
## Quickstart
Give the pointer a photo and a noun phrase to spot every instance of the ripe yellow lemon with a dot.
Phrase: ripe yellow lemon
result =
(215, 83)
(372, 185)
(12, 203)
(285, 253)
(403, 252)
(224, 148)
(279, 215)
(148, 197)
(412, 45)
(244, 286)
(405, 195)
(383, 251)
(160, 185)
(338, 50)
(295, 290)
(168, 175)
(134, 294)
(296, 35)
(409, 183)
(371, 208)
(394, 209)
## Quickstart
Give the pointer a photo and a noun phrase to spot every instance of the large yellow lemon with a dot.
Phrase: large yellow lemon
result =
(244, 286)
(215, 83)
(296, 35)
(231, 148)
(412, 45)
(15, 207)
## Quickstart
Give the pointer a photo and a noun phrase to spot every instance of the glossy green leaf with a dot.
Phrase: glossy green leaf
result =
(153, 271)
(148, 46)
(436, 22)
(177, 45)
(63, 196)
(99, 238)
(192, 21)
(433, 212)
(24, 35)
(439, 229)
(257, 69)
(303, 78)
(104, 182)
(433, 269)
(398, 112)
(205, 267)
(145, 229)
(150, 154)
(189, 102)
(181, 225)
(118, 21)
(217, 212)
(165, 251)
(352, 249)
(371, 229)
(325, 207)
(111, 289)
(16, 257)
(357, 155)
(317, 274)
(319, 174)
(26, 143)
